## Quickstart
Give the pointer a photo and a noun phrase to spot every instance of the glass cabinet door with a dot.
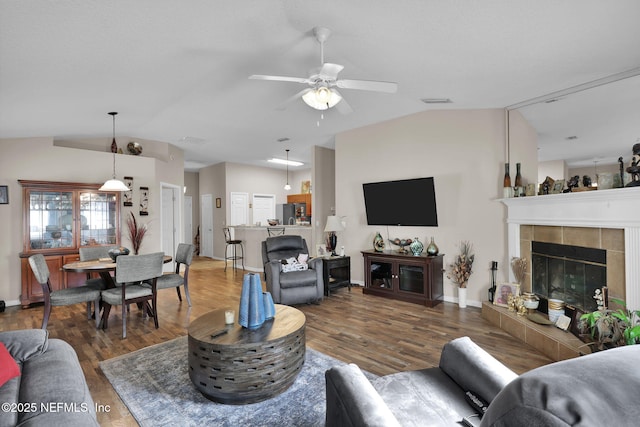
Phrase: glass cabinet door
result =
(97, 218)
(51, 220)
(381, 274)
(411, 278)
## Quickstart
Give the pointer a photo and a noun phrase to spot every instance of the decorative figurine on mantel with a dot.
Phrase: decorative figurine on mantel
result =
(634, 169)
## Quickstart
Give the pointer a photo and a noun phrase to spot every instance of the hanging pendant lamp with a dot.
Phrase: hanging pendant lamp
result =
(287, 187)
(114, 184)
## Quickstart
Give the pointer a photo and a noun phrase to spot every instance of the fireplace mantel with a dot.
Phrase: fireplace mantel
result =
(615, 208)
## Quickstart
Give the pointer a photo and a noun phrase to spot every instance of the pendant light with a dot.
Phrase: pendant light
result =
(287, 187)
(114, 184)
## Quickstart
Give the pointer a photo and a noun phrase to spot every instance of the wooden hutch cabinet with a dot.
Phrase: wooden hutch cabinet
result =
(405, 277)
(59, 218)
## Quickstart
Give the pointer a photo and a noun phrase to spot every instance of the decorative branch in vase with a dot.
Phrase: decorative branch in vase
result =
(519, 268)
(136, 232)
(461, 268)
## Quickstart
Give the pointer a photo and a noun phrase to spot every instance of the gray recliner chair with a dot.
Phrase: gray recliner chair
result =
(293, 287)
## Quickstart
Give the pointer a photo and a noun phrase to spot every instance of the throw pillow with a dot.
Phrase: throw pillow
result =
(8, 366)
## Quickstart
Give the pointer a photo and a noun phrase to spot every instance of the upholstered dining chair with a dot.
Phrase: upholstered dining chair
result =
(131, 271)
(184, 255)
(68, 296)
(89, 253)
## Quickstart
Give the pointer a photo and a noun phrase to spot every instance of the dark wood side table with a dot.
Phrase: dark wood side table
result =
(234, 365)
(336, 273)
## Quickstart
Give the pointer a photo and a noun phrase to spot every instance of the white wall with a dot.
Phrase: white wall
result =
(40, 159)
(465, 152)
(556, 169)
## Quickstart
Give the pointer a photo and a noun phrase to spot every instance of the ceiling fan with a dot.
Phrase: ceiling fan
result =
(323, 81)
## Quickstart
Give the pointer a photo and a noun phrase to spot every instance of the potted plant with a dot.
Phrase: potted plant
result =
(608, 328)
(460, 270)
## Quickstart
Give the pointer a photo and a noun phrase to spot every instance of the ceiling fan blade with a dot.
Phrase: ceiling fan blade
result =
(330, 71)
(376, 86)
(279, 78)
(343, 106)
(283, 105)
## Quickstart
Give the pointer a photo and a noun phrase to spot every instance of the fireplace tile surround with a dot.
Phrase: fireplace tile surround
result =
(603, 219)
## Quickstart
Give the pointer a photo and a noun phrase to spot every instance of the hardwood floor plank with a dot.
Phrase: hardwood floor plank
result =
(381, 336)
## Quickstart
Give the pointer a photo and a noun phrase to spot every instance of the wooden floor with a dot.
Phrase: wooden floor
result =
(380, 335)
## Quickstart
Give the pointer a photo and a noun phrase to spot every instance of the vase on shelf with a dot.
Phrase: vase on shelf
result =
(507, 189)
(462, 297)
(378, 243)
(432, 249)
(416, 247)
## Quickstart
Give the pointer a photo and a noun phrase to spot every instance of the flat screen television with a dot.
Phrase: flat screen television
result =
(407, 202)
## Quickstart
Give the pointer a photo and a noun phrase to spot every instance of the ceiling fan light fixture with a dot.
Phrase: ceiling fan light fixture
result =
(321, 98)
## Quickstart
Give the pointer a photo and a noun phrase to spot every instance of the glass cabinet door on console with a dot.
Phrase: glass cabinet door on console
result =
(404, 276)
(381, 274)
(58, 219)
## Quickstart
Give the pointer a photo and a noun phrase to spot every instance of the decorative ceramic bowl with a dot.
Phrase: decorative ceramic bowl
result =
(134, 148)
(272, 222)
(116, 252)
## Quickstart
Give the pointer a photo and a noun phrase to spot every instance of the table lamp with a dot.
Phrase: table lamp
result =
(333, 224)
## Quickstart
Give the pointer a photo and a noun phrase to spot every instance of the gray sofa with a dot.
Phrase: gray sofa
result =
(51, 389)
(595, 390)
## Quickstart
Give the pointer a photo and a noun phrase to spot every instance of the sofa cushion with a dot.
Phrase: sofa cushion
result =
(424, 397)
(25, 344)
(297, 279)
(55, 378)
(8, 367)
(594, 390)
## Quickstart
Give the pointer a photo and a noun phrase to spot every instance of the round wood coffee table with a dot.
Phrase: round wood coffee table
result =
(243, 365)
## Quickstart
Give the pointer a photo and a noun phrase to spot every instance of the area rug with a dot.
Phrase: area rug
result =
(154, 384)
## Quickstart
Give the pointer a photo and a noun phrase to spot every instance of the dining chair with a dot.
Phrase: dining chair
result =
(89, 253)
(67, 296)
(131, 271)
(184, 255)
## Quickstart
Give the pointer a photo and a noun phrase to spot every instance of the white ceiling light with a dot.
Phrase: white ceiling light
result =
(285, 162)
(321, 98)
(114, 184)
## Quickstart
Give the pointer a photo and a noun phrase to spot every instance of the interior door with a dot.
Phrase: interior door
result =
(206, 227)
(169, 223)
(188, 219)
(264, 208)
(239, 209)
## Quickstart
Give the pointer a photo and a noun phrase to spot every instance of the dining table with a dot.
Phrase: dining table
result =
(103, 267)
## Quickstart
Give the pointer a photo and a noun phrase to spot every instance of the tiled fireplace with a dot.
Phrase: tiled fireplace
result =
(605, 222)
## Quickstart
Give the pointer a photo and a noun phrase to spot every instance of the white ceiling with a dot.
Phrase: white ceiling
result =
(177, 70)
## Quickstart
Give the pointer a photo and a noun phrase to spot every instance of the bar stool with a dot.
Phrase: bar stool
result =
(234, 255)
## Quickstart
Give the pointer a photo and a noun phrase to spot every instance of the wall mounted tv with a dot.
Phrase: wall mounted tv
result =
(408, 202)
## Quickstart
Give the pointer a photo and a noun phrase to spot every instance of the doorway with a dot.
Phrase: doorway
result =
(239, 209)
(170, 220)
(264, 208)
(206, 229)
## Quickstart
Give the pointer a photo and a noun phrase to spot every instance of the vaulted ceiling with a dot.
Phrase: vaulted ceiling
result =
(177, 71)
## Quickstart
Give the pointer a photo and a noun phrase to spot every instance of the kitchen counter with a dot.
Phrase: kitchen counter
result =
(252, 237)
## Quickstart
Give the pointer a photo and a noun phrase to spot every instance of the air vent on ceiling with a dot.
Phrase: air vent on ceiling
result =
(436, 100)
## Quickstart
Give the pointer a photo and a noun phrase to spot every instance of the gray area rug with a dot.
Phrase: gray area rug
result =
(154, 384)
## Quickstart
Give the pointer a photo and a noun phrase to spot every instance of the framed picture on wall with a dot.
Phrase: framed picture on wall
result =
(218, 202)
(4, 194)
